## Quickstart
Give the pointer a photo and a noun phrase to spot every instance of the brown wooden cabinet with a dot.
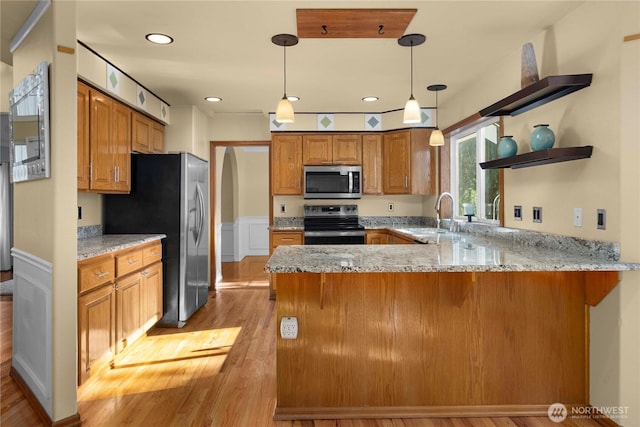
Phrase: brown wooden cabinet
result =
(120, 298)
(286, 164)
(106, 128)
(109, 144)
(327, 149)
(84, 160)
(408, 162)
(280, 238)
(147, 135)
(394, 239)
(372, 164)
(376, 237)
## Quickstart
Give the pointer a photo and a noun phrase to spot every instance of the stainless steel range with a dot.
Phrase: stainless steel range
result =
(332, 225)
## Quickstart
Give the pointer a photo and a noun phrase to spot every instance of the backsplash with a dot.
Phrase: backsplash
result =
(88, 231)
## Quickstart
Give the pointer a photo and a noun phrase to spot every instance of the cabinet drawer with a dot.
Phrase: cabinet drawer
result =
(294, 238)
(128, 262)
(151, 254)
(95, 274)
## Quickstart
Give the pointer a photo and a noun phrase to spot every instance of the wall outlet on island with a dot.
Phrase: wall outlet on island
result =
(289, 328)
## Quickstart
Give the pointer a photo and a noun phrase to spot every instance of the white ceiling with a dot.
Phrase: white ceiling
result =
(223, 48)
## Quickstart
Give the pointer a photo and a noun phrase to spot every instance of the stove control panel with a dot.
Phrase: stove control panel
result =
(330, 210)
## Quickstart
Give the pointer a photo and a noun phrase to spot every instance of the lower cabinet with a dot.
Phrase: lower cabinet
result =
(376, 237)
(279, 238)
(116, 309)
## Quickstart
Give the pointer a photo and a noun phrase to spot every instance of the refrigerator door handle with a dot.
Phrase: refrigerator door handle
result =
(199, 213)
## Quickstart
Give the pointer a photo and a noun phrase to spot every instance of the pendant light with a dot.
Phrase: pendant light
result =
(284, 111)
(437, 138)
(412, 112)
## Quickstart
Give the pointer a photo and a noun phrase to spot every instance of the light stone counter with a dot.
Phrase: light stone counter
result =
(443, 252)
(106, 243)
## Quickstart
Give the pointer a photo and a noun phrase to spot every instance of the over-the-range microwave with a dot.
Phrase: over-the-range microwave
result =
(332, 182)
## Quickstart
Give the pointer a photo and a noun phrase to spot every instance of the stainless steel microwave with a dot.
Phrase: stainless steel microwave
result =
(332, 182)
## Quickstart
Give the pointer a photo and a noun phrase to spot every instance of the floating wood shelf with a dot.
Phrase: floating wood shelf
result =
(541, 157)
(539, 93)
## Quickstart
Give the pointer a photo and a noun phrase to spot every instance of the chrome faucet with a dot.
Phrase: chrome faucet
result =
(452, 221)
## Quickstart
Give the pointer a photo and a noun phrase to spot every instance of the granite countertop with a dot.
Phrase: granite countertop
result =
(106, 243)
(443, 252)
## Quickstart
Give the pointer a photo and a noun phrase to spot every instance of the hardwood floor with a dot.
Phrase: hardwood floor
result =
(219, 370)
(245, 274)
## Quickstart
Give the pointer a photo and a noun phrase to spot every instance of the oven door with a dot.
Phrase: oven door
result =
(336, 237)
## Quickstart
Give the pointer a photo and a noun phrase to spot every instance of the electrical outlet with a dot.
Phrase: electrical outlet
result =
(537, 214)
(289, 328)
(517, 213)
(391, 207)
(602, 219)
(283, 208)
(577, 217)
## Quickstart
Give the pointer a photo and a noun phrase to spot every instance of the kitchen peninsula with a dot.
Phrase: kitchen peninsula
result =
(464, 325)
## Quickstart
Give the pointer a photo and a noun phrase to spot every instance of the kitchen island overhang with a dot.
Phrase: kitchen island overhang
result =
(420, 330)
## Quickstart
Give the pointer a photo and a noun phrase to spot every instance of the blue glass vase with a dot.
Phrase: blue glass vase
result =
(507, 147)
(542, 138)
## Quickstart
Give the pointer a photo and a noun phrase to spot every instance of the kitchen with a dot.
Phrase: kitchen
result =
(526, 187)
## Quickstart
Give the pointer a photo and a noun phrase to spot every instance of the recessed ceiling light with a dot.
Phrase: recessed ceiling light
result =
(293, 98)
(213, 99)
(158, 38)
(370, 98)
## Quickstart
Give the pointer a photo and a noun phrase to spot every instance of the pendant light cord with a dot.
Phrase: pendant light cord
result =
(285, 70)
(437, 112)
(411, 70)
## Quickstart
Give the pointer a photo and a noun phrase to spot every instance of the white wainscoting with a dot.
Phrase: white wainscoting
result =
(249, 235)
(32, 324)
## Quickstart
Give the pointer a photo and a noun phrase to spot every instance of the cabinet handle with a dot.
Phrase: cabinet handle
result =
(117, 172)
(287, 239)
(90, 171)
(144, 273)
(101, 274)
(406, 182)
(154, 254)
(132, 261)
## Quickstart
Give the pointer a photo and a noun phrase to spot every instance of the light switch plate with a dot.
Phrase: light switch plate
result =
(602, 219)
(289, 328)
(577, 217)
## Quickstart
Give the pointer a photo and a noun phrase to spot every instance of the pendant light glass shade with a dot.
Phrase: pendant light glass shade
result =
(284, 111)
(412, 112)
(437, 138)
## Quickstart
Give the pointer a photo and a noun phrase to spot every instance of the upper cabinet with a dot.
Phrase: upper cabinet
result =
(147, 135)
(408, 163)
(372, 164)
(537, 94)
(327, 149)
(286, 164)
(106, 128)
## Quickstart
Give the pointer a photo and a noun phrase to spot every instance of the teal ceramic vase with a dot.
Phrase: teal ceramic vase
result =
(542, 138)
(507, 147)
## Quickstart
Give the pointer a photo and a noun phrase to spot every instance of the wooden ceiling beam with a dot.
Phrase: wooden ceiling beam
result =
(353, 23)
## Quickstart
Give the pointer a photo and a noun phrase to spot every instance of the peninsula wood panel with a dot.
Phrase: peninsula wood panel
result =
(425, 342)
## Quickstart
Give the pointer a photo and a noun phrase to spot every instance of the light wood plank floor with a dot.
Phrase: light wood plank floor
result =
(219, 370)
(246, 274)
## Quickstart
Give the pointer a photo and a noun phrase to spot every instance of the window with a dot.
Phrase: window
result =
(470, 146)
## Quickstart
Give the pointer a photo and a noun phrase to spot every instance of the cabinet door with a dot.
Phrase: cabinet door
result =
(376, 237)
(151, 294)
(347, 149)
(140, 133)
(279, 238)
(121, 126)
(396, 163)
(100, 137)
(157, 138)
(96, 330)
(128, 322)
(286, 164)
(316, 150)
(83, 136)
(423, 168)
(372, 164)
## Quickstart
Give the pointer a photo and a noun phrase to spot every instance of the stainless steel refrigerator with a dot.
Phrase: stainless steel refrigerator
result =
(169, 194)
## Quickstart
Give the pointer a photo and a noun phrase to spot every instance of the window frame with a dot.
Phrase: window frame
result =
(452, 135)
